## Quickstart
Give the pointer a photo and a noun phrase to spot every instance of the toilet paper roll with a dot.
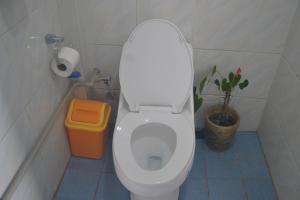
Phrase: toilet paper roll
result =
(65, 63)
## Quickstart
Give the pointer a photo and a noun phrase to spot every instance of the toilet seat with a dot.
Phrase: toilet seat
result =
(156, 67)
(174, 167)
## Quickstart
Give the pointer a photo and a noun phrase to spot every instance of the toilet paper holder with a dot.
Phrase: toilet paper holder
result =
(53, 39)
(55, 42)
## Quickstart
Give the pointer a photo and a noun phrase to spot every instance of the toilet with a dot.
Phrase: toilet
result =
(154, 136)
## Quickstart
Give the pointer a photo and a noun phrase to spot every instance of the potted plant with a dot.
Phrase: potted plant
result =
(221, 121)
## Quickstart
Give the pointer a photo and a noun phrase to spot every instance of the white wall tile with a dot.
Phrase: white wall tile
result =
(45, 171)
(279, 134)
(106, 21)
(179, 12)
(7, 90)
(42, 107)
(281, 160)
(13, 11)
(100, 93)
(260, 25)
(25, 62)
(250, 111)
(285, 95)
(107, 59)
(286, 105)
(284, 171)
(55, 159)
(31, 185)
(14, 148)
(69, 21)
(270, 131)
(279, 130)
(292, 50)
(258, 68)
(24, 73)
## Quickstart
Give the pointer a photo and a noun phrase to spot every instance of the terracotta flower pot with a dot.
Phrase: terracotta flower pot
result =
(220, 138)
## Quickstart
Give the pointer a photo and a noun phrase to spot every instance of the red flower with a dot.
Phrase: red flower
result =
(238, 71)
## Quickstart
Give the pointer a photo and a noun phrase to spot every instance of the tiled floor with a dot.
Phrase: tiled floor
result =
(237, 174)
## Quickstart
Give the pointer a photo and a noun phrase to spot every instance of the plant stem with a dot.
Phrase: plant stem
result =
(226, 104)
(227, 99)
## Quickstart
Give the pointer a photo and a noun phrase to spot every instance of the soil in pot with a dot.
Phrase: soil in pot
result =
(222, 119)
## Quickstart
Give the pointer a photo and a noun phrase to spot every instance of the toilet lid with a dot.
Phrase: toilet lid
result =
(156, 67)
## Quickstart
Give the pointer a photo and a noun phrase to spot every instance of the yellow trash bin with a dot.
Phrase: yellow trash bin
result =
(87, 124)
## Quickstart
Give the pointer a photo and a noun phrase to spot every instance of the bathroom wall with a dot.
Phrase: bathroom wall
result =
(279, 130)
(230, 33)
(29, 93)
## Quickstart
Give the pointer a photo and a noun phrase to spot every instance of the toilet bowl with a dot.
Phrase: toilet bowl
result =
(154, 137)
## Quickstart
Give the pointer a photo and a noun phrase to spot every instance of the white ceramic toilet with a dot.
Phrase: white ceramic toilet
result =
(154, 138)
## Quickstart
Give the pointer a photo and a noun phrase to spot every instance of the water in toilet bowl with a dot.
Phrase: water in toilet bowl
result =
(153, 145)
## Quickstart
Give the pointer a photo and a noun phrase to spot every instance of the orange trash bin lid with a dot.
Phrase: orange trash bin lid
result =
(88, 115)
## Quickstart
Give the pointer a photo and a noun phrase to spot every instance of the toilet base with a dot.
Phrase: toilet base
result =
(169, 196)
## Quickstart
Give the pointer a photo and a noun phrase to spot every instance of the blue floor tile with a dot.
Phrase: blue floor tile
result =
(111, 128)
(249, 146)
(198, 168)
(260, 189)
(252, 161)
(199, 145)
(229, 154)
(96, 179)
(222, 164)
(194, 189)
(78, 185)
(254, 168)
(226, 189)
(108, 159)
(110, 188)
(89, 165)
(61, 198)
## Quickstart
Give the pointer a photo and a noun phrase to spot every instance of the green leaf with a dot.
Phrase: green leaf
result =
(217, 82)
(202, 84)
(231, 76)
(236, 80)
(197, 102)
(244, 84)
(214, 70)
(225, 85)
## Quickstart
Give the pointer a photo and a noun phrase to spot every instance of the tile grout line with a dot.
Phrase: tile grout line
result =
(195, 48)
(61, 179)
(238, 50)
(268, 168)
(17, 23)
(241, 172)
(205, 168)
(24, 111)
(97, 185)
(136, 12)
